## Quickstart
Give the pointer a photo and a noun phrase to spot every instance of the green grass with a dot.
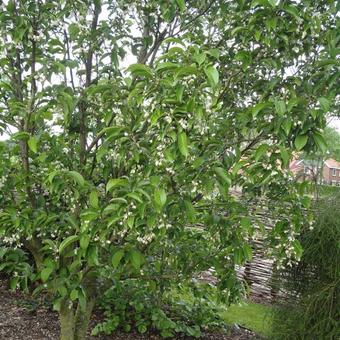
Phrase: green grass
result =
(324, 189)
(253, 316)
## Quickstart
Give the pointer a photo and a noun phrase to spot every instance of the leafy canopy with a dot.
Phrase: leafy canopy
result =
(112, 171)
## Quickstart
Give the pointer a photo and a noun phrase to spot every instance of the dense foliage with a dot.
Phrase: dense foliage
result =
(313, 310)
(110, 172)
(181, 309)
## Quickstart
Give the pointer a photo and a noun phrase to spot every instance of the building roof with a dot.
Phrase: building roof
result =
(332, 164)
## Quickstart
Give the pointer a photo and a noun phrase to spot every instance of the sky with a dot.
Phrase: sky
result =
(335, 123)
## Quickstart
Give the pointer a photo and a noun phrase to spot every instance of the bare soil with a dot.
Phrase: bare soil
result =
(21, 317)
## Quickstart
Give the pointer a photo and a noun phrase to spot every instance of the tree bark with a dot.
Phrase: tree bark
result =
(74, 326)
(82, 320)
(34, 247)
(67, 321)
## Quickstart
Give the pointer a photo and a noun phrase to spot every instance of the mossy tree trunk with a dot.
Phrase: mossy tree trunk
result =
(67, 320)
(82, 320)
(74, 324)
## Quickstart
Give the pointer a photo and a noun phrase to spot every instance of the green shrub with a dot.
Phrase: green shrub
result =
(14, 262)
(137, 305)
(315, 282)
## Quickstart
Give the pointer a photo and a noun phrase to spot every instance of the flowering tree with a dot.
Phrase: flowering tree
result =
(110, 172)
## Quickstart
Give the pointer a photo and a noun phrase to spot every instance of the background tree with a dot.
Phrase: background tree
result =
(332, 137)
(114, 173)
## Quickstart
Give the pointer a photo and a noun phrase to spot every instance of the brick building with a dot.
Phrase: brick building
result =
(331, 172)
(325, 171)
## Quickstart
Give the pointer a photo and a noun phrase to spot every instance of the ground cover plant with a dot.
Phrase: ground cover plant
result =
(125, 125)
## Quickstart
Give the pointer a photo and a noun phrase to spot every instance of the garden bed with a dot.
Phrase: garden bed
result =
(24, 318)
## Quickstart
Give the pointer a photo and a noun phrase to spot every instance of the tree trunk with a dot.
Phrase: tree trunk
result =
(73, 326)
(82, 320)
(67, 321)
(34, 247)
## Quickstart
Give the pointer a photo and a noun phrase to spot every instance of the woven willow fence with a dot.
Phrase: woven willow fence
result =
(260, 276)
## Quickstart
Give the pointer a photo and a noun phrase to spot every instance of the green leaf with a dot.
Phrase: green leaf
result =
(175, 50)
(136, 258)
(73, 30)
(68, 241)
(259, 107)
(190, 210)
(101, 152)
(89, 215)
(33, 144)
(13, 282)
(182, 140)
(110, 208)
(166, 66)
(135, 197)
(212, 75)
(300, 141)
(245, 57)
(287, 125)
(74, 294)
(306, 202)
(181, 5)
(66, 101)
(238, 256)
(222, 175)
(320, 142)
(21, 135)
(94, 199)
(186, 70)
(245, 223)
(57, 305)
(140, 70)
(280, 107)
(174, 40)
(142, 328)
(117, 257)
(45, 273)
(92, 255)
(160, 197)
(292, 10)
(119, 200)
(214, 52)
(62, 291)
(199, 58)
(247, 252)
(112, 131)
(84, 241)
(260, 151)
(77, 177)
(284, 156)
(116, 182)
(179, 92)
(324, 103)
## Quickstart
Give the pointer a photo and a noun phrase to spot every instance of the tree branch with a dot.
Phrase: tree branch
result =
(82, 103)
